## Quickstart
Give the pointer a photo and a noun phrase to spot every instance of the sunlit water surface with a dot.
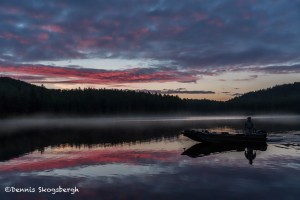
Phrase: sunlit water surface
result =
(150, 161)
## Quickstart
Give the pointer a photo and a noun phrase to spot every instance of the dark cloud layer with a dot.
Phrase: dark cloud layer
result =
(280, 69)
(250, 78)
(202, 37)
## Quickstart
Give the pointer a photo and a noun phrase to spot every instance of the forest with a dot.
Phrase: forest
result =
(21, 98)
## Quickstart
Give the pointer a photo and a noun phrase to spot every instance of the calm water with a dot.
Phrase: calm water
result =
(147, 159)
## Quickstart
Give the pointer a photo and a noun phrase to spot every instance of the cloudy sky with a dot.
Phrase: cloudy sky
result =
(214, 49)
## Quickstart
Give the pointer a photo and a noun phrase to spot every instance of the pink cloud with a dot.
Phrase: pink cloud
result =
(106, 38)
(140, 32)
(43, 37)
(199, 16)
(12, 36)
(216, 22)
(10, 9)
(177, 29)
(87, 43)
(95, 76)
(52, 28)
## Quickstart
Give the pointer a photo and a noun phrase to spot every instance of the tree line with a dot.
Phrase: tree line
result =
(20, 98)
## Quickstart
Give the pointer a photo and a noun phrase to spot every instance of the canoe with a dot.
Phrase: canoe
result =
(225, 137)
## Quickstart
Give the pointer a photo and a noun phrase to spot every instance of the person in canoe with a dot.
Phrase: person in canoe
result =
(249, 126)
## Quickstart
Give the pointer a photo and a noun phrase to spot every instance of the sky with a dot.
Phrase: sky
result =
(213, 49)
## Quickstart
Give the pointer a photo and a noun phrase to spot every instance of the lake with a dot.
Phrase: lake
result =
(146, 158)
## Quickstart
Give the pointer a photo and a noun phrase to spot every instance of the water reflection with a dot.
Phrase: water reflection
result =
(205, 149)
(19, 144)
(250, 154)
(146, 162)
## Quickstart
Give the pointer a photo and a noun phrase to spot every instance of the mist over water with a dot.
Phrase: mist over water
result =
(15, 124)
(147, 158)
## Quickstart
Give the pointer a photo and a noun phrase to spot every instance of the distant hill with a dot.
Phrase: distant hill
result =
(282, 98)
(21, 98)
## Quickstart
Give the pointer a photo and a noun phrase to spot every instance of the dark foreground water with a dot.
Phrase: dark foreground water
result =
(146, 159)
